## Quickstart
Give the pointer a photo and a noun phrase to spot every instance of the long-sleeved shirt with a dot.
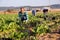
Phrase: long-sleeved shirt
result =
(23, 14)
(34, 12)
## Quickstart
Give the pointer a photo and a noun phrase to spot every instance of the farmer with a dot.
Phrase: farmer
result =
(45, 11)
(33, 12)
(22, 15)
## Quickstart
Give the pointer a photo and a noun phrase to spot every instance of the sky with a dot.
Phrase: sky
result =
(28, 2)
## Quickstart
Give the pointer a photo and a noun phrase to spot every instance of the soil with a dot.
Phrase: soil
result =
(49, 36)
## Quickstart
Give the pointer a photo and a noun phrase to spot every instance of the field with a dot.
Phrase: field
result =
(35, 29)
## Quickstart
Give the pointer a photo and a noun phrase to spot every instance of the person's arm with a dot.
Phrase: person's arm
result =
(20, 14)
(26, 15)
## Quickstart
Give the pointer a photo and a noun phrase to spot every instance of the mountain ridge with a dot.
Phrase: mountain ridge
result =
(54, 6)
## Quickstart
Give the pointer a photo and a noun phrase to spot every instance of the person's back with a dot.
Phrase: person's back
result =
(45, 11)
(33, 12)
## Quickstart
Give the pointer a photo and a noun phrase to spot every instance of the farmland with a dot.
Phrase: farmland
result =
(10, 27)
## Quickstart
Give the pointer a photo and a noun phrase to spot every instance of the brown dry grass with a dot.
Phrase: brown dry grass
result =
(16, 12)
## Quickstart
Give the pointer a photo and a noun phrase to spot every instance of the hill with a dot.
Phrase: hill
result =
(55, 6)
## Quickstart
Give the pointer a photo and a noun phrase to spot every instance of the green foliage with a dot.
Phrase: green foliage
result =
(10, 27)
(43, 28)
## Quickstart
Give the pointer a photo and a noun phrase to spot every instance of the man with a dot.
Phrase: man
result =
(22, 15)
(33, 12)
(45, 11)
